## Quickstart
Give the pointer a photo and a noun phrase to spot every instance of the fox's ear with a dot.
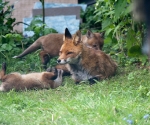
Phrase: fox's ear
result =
(67, 35)
(102, 34)
(4, 66)
(89, 34)
(77, 38)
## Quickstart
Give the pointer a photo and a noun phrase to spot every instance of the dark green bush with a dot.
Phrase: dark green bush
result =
(89, 21)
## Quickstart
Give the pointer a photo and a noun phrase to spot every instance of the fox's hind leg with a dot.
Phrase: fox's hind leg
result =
(58, 80)
(45, 58)
(48, 78)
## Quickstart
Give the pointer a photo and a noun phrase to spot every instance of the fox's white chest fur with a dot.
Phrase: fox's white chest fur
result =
(78, 72)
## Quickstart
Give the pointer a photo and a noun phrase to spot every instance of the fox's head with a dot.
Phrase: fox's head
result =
(94, 40)
(71, 49)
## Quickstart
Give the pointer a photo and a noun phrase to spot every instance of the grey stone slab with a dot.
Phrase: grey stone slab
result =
(59, 11)
(59, 23)
(38, 5)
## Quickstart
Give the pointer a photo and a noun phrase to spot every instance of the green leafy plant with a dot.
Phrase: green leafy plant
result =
(10, 43)
(122, 34)
(8, 39)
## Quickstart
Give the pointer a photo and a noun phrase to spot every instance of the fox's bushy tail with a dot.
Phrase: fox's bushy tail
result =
(36, 45)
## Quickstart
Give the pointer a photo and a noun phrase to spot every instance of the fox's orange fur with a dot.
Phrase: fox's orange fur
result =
(16, 81)
(51, 44)
(85, 63)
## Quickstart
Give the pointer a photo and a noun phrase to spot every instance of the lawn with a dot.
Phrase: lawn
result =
(121, 100)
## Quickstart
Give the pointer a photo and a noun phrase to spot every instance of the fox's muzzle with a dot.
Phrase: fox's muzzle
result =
(61, 61)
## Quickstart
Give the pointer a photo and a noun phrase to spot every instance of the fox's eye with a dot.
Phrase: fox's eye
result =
(69, 53)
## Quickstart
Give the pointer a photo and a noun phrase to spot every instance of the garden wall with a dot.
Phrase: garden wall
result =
(23, 9)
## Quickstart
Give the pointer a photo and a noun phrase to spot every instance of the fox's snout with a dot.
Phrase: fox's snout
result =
(58, 60)
(61, 61)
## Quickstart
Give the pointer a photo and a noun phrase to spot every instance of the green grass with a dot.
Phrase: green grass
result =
(121, 100)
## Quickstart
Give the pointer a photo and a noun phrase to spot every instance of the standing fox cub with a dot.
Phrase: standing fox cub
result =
(84, 63)
(16, 81)
(51, 44)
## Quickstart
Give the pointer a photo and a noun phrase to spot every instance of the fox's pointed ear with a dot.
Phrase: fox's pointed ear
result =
(89, 34)
(67, 35)
(77, 38)
(4, 66)
(102, 34)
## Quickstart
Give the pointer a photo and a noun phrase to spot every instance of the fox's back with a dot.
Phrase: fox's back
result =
(96, 61)
(51, 43)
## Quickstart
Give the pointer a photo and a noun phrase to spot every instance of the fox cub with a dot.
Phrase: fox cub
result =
(83, 62)
(16, 81)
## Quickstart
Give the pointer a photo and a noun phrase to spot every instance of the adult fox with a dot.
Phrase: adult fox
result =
(51, 44)
(84, 63)
(16, 81)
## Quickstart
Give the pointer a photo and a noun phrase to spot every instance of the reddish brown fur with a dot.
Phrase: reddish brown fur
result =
(84, 62)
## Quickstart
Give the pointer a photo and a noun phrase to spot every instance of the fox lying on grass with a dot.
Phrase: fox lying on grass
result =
(16, 81)
(51, 44)
(84, 63)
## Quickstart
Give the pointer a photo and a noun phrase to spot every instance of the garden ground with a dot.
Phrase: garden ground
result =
(120, 100)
